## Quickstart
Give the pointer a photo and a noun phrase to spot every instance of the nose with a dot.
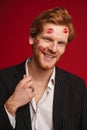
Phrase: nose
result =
(53, 47)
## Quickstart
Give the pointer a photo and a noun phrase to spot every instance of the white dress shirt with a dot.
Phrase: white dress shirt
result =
(41, 114)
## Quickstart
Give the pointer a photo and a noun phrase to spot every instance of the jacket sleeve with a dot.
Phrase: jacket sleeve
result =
(84, 110)
(4, 120)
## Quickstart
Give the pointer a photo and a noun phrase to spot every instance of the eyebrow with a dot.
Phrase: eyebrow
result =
(51, 39)
(47, 37)
(62, 42)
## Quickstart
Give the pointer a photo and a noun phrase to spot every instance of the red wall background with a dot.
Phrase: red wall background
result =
(15, 19)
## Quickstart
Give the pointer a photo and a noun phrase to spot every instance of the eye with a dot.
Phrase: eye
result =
(61, 43)
(47, 39)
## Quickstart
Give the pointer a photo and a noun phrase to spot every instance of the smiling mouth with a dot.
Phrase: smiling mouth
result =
(48, 55)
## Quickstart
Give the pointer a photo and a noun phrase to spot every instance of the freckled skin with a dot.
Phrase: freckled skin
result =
(50, 30)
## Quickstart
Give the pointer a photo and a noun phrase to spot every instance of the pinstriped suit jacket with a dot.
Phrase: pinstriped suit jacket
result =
(69, 104)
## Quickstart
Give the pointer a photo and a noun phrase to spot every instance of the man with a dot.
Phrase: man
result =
(36, 94)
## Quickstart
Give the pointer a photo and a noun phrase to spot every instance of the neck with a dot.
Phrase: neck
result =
(39, 74)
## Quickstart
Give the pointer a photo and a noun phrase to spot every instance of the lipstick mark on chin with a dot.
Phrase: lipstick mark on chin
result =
(50, 30)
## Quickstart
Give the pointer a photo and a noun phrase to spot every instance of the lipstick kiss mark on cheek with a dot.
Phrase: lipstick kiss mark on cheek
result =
(42, 48)
(37, 42)
(50, 30)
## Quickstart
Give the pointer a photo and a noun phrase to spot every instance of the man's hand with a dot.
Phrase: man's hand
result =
(21, 96)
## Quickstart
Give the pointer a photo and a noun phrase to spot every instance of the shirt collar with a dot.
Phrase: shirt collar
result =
(26, 67)
(51, 82)
(52, 79)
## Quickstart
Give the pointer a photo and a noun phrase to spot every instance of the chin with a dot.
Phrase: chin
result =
(47, 67)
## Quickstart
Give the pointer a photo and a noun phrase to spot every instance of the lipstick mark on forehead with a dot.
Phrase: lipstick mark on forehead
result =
(65, 30)
(50, 30)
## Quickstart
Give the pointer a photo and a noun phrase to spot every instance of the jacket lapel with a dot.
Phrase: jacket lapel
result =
(23, 114)
(60, 94)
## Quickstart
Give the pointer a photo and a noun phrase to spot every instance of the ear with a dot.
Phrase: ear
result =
(31, 40)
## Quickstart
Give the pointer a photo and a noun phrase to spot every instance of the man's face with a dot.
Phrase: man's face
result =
(49, 45)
